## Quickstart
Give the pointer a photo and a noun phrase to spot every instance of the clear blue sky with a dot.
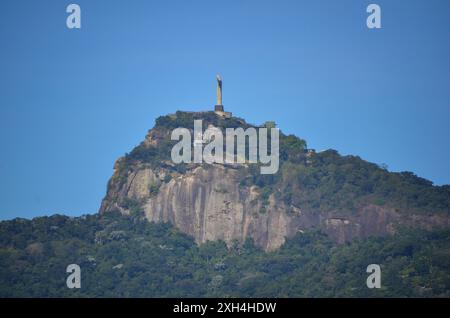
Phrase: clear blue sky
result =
(72, 101)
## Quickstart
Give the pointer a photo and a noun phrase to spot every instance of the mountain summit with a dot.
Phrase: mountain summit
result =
(344, 196)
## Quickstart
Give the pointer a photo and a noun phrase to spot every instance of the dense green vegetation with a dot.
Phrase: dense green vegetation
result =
(124, 256)
(331, 182)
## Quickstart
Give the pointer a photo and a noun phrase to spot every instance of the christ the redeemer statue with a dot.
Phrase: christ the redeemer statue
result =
(219, 106)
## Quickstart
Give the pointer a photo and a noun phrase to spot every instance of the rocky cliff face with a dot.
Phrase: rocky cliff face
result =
(210, 201)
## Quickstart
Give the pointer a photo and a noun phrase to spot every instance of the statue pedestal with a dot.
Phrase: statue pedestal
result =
(218, 108)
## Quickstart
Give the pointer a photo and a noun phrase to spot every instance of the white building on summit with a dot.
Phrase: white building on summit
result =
(218, 109)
